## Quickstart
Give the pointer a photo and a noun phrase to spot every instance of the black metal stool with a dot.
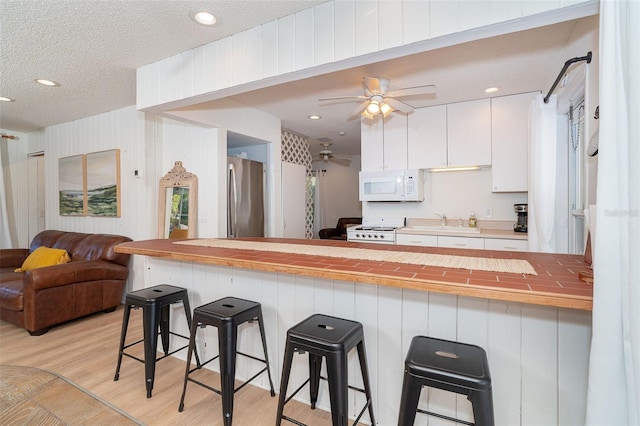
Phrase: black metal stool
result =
(331, 338)
(226, 314)
(155, 302)
(451, 366)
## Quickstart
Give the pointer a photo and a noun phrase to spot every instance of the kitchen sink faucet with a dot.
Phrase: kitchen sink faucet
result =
(443, 219)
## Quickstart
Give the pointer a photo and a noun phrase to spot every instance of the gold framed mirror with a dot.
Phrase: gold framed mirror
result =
(178, 203)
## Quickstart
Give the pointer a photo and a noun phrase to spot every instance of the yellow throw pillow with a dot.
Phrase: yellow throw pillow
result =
(44, 256)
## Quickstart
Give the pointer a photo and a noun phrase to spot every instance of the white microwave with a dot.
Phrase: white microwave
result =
(392, 185)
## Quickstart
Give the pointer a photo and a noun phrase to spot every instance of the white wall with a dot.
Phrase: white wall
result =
(457, 194)
(333, 36)
(341, 190)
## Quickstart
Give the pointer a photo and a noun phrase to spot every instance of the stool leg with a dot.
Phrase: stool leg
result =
(264, 348)
(338, 388)
(123, 335)
(187, 313)
(150, 327)
(315, 364)
(164, 327)
(411, 388)
(192, 345)
(362, 357)
(284, 382)
(482, 403)
(227, 341)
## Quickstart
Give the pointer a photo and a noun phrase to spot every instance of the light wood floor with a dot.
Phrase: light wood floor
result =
(85, 351)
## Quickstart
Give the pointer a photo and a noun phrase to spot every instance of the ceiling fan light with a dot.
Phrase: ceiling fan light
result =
(386, 109)
(366, 114)
(373, 108)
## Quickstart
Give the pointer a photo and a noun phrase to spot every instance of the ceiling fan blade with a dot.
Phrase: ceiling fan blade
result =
(413, 91)
(344, 162)
(337, 98)
(399, 105)
(360, 107)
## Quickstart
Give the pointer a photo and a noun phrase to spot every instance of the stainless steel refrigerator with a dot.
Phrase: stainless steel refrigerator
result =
(245, 198)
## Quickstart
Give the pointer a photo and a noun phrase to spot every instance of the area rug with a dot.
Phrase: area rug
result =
(31, 396)
(516, 266)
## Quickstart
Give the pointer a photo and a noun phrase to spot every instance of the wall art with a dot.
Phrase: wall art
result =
(72, 185)
(103, 183)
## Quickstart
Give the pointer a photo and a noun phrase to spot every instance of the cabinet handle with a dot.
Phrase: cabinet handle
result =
(511, 247)
(460, 244)
(415, 241)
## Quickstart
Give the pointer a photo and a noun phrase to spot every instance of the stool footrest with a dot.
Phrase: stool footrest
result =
(442, 416)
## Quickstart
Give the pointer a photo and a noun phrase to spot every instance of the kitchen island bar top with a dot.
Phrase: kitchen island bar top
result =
(556, 283)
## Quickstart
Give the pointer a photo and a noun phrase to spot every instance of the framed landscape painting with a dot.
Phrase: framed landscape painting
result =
(71, 185)
(103, 183)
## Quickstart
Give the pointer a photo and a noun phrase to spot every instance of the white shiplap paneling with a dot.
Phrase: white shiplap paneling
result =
(529, 359)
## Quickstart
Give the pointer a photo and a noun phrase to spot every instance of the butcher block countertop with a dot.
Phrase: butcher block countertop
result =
(556, 282)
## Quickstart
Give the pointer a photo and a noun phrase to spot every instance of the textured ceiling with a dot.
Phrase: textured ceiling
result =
(93, 48)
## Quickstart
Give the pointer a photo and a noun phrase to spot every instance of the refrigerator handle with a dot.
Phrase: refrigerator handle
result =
(232, 201)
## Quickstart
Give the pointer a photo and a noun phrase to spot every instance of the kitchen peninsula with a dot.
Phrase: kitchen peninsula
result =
(556, 283)
(536, 327)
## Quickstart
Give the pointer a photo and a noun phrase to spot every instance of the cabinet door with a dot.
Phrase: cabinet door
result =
(371, 145)
(509, 150)
(461, 242)
(395, 141)
(469, 133)
(417, 240)
(506, 244)
(427, 138)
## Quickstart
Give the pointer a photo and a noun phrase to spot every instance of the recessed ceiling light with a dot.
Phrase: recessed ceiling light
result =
(491, 89)
(44, 82)
(202, 17)
(314, 117)
(5, 99)
(341, 133)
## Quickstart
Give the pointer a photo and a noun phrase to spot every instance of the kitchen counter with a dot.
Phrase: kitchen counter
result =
(556, 283)
(484, 233)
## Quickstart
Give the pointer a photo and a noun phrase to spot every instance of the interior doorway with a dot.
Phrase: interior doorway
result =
(37, 212)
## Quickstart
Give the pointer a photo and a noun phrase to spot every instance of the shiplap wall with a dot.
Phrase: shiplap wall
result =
(324, 35)
(538, 355)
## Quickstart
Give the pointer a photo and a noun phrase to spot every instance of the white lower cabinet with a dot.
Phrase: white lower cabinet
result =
(417, 240)
(425, 240)
(506, 244)
(460, 242)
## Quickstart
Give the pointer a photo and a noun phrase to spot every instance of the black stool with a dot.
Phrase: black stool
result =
(155, 302)
(451, 366)
(331, 338)
(226, 314)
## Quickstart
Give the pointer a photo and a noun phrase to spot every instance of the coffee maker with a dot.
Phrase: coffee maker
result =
(521, 211)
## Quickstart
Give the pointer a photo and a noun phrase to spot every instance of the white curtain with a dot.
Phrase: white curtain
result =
(318, 204)
(5, 234)
(542, 174)
(614, 369)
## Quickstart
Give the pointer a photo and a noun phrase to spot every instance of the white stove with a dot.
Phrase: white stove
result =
(375, 230)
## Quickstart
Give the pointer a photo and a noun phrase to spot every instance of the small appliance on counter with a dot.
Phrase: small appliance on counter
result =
(521, 211)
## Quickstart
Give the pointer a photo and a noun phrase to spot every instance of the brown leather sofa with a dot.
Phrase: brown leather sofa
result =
(93, 281)
(340, 231)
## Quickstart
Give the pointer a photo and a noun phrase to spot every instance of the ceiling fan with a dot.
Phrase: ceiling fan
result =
(378, 99)
(327, 155)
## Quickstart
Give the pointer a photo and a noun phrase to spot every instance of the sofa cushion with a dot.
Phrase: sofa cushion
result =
(44, 256)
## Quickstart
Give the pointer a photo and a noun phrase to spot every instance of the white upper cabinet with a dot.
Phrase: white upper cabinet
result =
(469, 133)
(509, 147)
(427, 138)
(395, 141)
